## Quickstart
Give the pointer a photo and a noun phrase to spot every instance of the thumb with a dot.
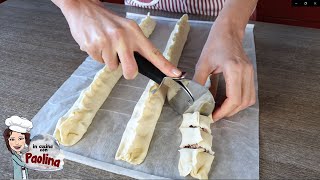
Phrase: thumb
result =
(202, 72)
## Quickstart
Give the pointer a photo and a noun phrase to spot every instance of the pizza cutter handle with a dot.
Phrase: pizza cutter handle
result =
(146, 68)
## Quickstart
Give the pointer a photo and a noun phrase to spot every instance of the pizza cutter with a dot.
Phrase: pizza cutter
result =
(184, 95)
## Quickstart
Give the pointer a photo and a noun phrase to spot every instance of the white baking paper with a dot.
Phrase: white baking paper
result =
(235, 139)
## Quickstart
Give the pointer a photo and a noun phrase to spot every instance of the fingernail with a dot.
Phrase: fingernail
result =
(215, 118)
(176, 72)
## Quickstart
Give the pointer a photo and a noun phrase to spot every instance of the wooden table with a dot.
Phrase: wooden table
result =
(38, 54)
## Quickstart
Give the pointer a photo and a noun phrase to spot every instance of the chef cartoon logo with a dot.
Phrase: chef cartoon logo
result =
(42, 152)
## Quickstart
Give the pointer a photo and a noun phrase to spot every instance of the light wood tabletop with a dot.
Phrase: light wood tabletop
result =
(38, 54)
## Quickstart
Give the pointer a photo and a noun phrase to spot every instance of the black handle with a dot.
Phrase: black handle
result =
(146, 68)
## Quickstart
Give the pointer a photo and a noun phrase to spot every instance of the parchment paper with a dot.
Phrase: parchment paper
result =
(235, 139)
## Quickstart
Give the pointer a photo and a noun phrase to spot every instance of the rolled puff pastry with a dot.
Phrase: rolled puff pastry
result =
(196, 155)
(147, 25)
(74, 124)
(137, 136)
(192, 136)
(196, 120)
(195, 162)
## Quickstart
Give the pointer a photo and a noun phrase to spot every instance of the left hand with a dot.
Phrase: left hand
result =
(223, 53)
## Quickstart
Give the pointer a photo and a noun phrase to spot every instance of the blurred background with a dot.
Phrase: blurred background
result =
(279, 11)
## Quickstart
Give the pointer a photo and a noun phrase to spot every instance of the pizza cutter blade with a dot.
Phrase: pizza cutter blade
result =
(183, 95)
(187, 96)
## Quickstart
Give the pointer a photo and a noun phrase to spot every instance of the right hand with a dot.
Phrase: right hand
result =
(104, 35)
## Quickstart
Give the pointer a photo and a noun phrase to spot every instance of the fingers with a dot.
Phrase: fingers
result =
(107, 56)
(128, 63)
(95, 54)
(150, 52)
(246, 90)
(111, 59)
(233, 78)
(240, 91)
(214, 84)
(253, 92)
(202, 72)
(126, 57)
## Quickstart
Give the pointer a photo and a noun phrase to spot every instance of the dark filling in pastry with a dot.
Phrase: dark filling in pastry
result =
(203, 129)
(196, 146)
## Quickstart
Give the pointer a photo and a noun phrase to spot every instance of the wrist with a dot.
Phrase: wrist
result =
(229, 26)
(235, 15)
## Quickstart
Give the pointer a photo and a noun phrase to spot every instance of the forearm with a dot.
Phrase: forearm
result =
(235, 15)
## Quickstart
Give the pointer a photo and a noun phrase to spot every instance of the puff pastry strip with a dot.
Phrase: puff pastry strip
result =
(74, 124)
(196, 155)
(195, 162)
(137, 136)
(196, 120)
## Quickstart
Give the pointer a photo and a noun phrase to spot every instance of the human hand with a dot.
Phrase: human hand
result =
(223, 53)
(105, 36)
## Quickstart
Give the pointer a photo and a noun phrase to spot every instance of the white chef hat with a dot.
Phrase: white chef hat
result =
(18, 124)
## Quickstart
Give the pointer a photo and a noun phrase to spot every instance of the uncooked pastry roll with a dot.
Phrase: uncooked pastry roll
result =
(195, 162)
(74, 124)
(137, 136)
(147, 25)
(196, 120)
(196, 137)
(196, 155)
